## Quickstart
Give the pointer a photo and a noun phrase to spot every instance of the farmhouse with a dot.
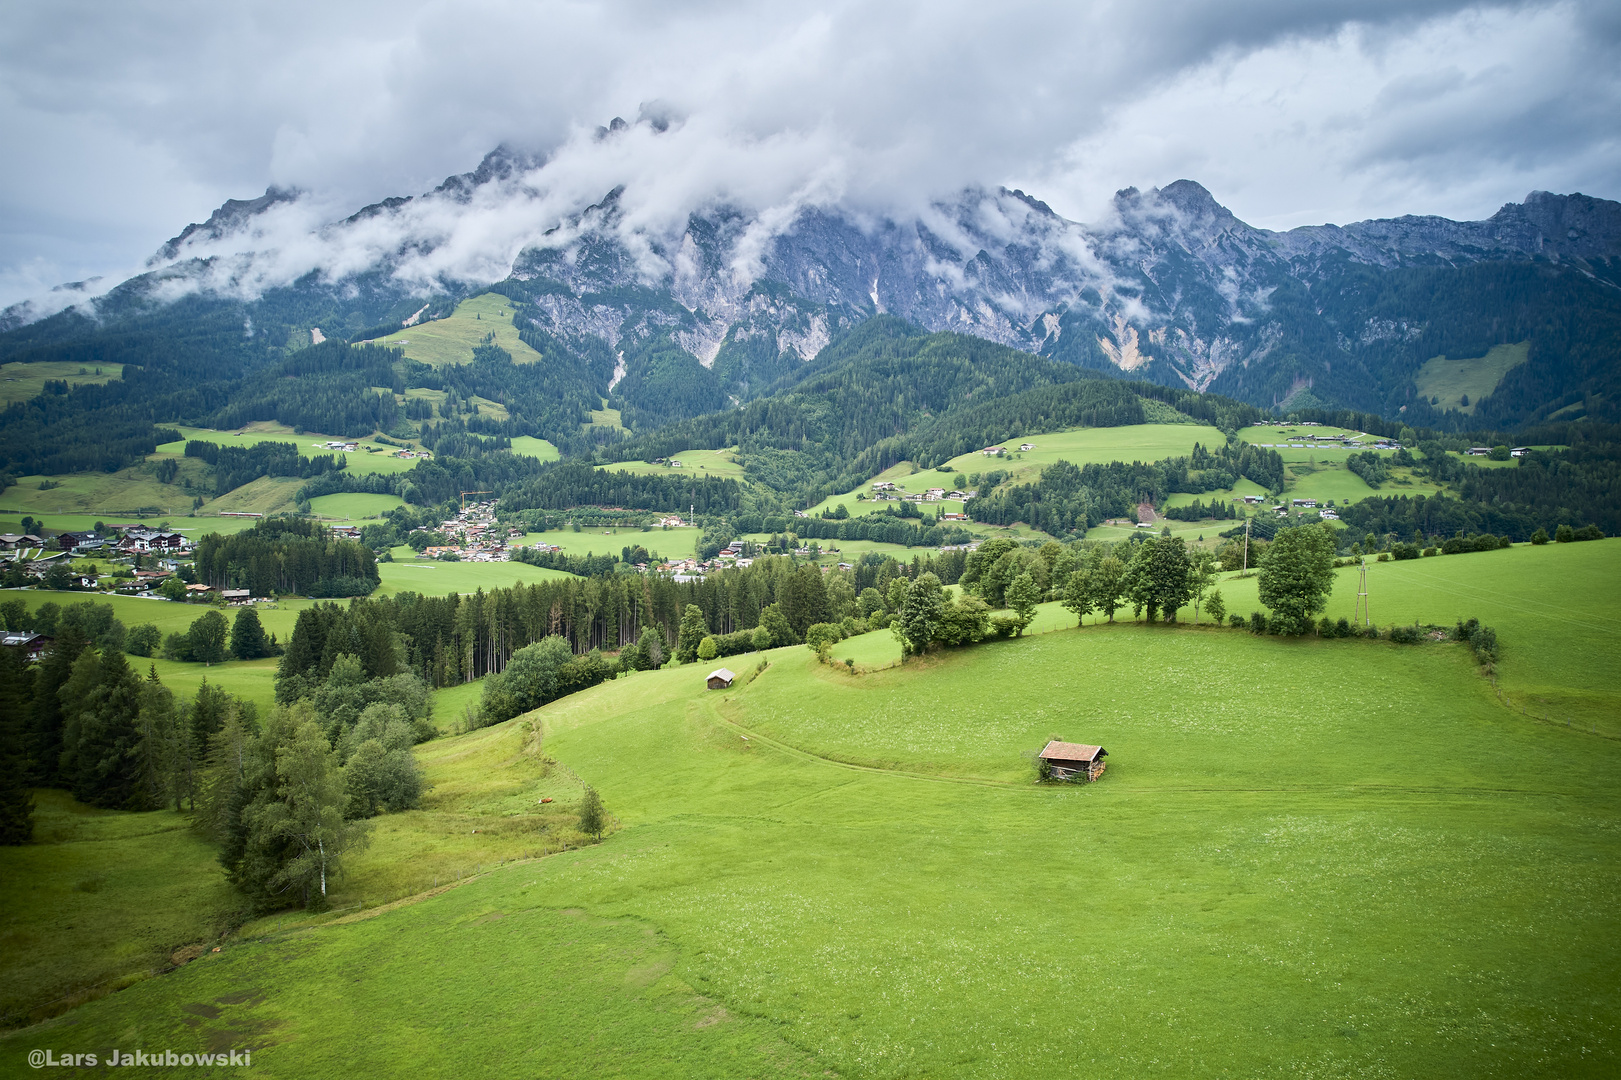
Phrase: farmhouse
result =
(1068, 760)
(1026, 447)
(720, 679)
(1519, 451)
(33, 645)
(992, 451)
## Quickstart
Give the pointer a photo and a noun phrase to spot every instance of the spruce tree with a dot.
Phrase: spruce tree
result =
(16, 799)
(248, 641)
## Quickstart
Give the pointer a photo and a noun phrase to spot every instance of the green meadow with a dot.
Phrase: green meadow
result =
(1555, 609)
(529, 446)
(167, 615)
(1451, 379)
(23, 382)
(407, 573)
(372, 457)
(99, 901)
(718, 463)
(1086, 446)
(451, 340)
(1307, 857)
(354, 506)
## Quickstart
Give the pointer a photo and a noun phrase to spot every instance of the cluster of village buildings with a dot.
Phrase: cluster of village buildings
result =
(35, 556)
(475, 536)
(349, 447)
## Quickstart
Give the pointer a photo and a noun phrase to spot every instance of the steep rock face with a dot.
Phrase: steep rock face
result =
(1172, 286)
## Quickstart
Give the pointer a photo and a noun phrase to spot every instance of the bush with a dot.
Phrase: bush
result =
(1589, 532)
(1236, 621)
(1539, 537)
(1257, 623)
(1371, 632)
(1564, 534)
(1384, 556)
(1429, 551)
(1405, 551)
(143, 640)
(1406, 635)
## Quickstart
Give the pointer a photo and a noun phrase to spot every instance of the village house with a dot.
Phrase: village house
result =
(1519, 451)
(237, 597)
(32, 645)
(1068, 761)
(1479, 451)
(1305, 502)
(720, 679)
(1026, 447)
(993, 451)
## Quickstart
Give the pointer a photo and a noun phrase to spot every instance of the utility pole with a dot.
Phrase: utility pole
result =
(1362, 616)
(1247, 544)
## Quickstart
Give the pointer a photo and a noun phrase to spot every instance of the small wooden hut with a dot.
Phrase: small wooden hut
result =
(720, 679)
(1074, 761)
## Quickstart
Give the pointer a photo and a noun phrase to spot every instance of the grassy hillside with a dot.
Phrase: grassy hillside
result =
(1083, 446)
(451, 340)
(540, 449)
(1477, 377)
(720, 463)
(99, 901)
(1330, 857)
(372, 457)
(22, 382)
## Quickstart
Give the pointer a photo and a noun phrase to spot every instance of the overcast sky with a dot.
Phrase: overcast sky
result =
(123, 122)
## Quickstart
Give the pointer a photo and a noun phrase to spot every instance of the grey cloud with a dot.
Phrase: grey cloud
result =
(127, 121)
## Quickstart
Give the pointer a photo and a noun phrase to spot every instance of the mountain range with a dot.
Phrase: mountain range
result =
(1171, 287)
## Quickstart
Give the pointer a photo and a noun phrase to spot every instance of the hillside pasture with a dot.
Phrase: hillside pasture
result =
(167, 615)
(354, 506)
(1555, 609)
(112, 496)
(99, 901)
(1271, 886)
(1086, 446)
(539, 449)
(721, 463)
(451, 340)
(1451, 379)
(372, 457)
(24, 382)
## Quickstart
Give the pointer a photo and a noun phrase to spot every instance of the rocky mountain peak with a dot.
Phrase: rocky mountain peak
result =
(229, 218)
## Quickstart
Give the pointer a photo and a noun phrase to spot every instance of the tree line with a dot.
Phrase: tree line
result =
(286, 555)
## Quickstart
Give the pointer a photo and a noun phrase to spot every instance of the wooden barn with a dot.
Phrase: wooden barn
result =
(1073, 761)
(720, 679)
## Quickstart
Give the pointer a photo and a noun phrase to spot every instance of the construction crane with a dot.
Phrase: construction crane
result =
(467, 493)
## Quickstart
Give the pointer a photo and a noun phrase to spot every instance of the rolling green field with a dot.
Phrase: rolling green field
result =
(99, 901)
(1450, 379)
(111, 496)
(719, 463)
(1084, 446)
(1338, 858)
(23, 382)
(1555, 609)
(450, 340)
(352, 506)
(407, 573)
(372, 457)
(529, 446)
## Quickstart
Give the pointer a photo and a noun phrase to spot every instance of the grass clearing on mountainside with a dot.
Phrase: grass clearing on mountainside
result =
(24, 382)
(722, 464)
(372, 457)
(110, 496)
(1475, 377)
(252, 680)
(354, 506)
(1086, 446)
(540, 449)
(407, 573)
(605, 418)
(1305, 855)
(451, 340)
(99, 901)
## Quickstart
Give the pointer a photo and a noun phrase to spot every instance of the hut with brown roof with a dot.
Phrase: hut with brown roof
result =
(1074, 761)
